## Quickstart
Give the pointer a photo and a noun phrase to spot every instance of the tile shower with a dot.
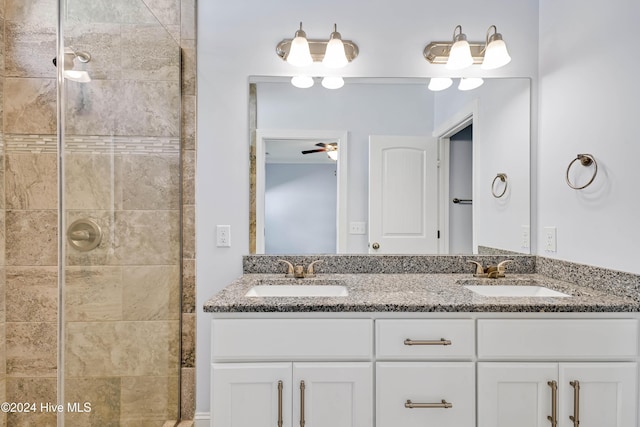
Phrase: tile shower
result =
(128, 164)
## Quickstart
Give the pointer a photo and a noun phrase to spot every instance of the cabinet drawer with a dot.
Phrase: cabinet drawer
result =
(425, 339)
(558, 339)
(291, 339)
(425, 383)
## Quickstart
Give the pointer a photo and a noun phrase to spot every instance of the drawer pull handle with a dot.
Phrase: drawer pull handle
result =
(279, 403)
(554, 403)
(441, 341)
(302, 387)
(444, 405)
(576, 403)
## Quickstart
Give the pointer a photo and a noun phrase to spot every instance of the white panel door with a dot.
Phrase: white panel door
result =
(411, 394)
(247, 394)
(335, 394)
(515, 394)
(403, 195)
(607, 395)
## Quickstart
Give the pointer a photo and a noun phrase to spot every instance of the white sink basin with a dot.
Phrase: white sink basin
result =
(297, 291)
(514, 291)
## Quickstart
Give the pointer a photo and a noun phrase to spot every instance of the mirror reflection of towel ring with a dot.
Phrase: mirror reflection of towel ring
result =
(503, 178)
(585, 160)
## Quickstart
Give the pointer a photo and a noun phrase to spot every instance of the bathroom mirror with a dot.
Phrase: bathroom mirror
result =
(479, 136)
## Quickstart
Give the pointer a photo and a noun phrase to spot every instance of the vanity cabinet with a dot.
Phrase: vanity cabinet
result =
(288, 394)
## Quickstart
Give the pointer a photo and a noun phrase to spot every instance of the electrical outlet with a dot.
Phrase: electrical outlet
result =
(223, 236)
(357, 228)
(526, 237)
(550, 235)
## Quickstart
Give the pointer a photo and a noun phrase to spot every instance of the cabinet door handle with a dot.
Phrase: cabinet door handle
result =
(576, 403)
(279, 403)
(302, 387)
(441, 341)
(444, 405)
(554, 403)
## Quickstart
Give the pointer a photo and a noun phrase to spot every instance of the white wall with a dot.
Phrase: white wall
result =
(501, 144)
(300, 208)
(238, 39)
(589, 96)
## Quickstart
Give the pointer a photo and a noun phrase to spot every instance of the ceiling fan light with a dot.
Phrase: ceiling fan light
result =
(302, 82)
(333, 155)
(439, 83)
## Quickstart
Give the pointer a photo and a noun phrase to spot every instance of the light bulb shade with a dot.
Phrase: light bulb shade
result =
(439, 83)
(302, 82)
(496, 55)
(460, 55)
(332, 82)
(299, 53)
(333, 155)
(334, 55)
(470, 83)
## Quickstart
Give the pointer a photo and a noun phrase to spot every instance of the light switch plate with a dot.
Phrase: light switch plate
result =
(357, 228)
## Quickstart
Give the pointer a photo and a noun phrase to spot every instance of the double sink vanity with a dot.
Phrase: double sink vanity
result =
(416, 341)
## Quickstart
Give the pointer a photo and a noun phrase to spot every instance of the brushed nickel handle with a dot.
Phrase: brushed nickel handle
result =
(576, 403)
(302, 387)
(443, 405)
(554, 403)
(441, 341)
(279, 403)
(84, 234)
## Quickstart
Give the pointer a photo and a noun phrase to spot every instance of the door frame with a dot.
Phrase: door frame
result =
(464, 117)
(341, 136)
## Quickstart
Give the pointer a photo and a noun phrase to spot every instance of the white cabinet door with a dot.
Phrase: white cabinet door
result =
(412, 394)
(606, 396)
(403, 195)
(247, 394)
(334, 394)
(515, 394)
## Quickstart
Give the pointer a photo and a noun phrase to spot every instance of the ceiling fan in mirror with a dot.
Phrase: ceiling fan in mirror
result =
(330, 148)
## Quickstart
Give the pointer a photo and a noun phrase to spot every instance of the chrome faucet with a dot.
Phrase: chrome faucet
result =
(491, 271)
(297, 271)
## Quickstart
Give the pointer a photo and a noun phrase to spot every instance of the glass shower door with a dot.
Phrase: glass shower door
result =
(120, 219)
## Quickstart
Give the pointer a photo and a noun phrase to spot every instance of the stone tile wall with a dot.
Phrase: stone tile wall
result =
(122, 168)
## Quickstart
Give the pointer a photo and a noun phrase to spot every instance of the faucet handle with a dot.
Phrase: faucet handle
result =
(289, 267)
(479, 268)
(310, 271)
(501, 266)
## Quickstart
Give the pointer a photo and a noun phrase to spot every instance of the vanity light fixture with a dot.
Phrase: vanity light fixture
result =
(459, 53)
(318, 50)
(299, 53)
(332, 82)
(302, 81)
(470, 83)
(495, 54)
(439, 83)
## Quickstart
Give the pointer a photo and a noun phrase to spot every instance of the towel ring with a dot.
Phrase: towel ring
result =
(585, 160)
(503, 178)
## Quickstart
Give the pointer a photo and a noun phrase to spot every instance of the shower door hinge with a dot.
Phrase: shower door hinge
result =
(438, 234)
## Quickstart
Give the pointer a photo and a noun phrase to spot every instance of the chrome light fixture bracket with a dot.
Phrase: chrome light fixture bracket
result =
(438, 52)
(317, 49)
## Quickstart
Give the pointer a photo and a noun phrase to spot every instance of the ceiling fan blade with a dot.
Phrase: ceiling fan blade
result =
(319, 150)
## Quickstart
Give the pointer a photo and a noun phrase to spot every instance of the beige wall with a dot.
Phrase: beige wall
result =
(122, 168)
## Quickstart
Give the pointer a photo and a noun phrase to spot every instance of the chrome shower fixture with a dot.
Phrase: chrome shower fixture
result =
(70, 55)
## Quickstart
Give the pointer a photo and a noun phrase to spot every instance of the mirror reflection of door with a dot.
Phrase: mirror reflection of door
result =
(460, 188)
(300, 198)
(403, 195)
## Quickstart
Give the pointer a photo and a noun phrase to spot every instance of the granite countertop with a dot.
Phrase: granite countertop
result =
(415, 293)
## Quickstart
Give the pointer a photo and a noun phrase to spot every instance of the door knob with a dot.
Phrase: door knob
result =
(376, 246)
